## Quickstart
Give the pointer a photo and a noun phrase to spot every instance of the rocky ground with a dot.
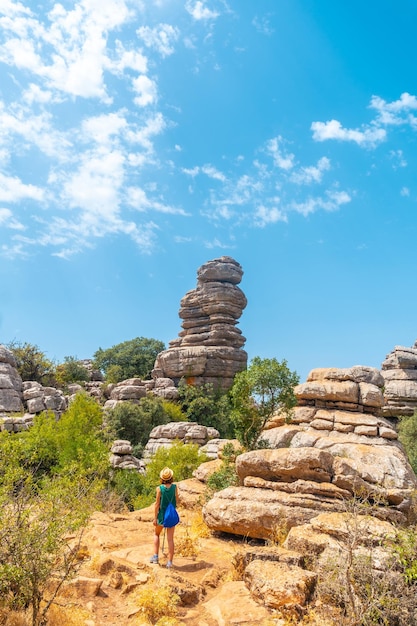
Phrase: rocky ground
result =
(116, 569)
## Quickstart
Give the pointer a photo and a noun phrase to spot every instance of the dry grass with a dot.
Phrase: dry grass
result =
(156, 603)
(13, 618)
(67, 615)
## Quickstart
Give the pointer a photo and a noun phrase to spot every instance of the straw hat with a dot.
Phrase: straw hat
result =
(166, 474)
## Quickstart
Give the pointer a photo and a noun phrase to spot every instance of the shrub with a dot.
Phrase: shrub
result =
(207, 406)
(407, 429)
(157, 601)
(226, 476)
(134, 422)
(32, 364)
(71, 371)
(182, 458)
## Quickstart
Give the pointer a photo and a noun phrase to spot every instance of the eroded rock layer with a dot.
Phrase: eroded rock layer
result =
(336, 447)
(399, 371)
(209, 347)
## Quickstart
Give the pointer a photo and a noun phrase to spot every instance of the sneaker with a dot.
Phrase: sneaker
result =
(154, 559)
(169, 564)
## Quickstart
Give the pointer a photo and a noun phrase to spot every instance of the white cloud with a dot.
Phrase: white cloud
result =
(103, 128)
(12, 9)
(146, 90)
(311, 174)
(32, 130)
(95, 186)
(12, 189)
(392, 112)
(199, 11)
(68, 52)
(405, 191)
(398, 158)
(154, 125)
(368, 136)
(191, 171)
(8, 221)
(127, 59)
(268, 215)
(212, 172)
(138, 199)
(283, 160)
(333, 201)
(160, 38)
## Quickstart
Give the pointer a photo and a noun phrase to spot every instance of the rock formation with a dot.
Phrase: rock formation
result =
(209, 348)
(337, 446)
(10, 383)
(399, 371)
(121, 456)
(187, 432)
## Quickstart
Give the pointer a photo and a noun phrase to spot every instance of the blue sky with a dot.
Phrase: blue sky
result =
(139, 140)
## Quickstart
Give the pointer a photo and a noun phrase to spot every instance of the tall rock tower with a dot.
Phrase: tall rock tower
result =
(209, 347)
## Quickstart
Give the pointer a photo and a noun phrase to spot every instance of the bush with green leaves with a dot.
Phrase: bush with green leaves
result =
(38, 513)
(226, 475)
(71, 371)
(257, 393)
(134, 422)
(32, 363)
(130, 359)
(182, 458)
(407, 429)
(206, 405)
(53, 446)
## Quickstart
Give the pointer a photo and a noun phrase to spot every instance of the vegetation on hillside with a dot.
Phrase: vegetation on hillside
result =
(51, 479)
(134, 422)
(129, 359)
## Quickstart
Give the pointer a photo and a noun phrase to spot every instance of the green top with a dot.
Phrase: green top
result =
(167, 496)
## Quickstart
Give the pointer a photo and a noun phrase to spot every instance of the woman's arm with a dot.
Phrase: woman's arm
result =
(157, 505)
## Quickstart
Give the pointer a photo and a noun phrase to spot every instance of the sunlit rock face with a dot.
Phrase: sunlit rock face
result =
(209, 347)
(337, 446)
(399, 371)
(10, 383)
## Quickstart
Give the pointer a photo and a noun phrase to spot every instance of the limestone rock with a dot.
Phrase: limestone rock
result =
(10, 383)
(165, 435)
(121, 457)
(278, 584)
(336, 447)
(399, 371)
(209, 347)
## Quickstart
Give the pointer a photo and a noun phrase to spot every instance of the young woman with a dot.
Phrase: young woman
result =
(166, 492)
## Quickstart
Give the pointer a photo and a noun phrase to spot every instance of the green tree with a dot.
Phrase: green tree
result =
(134, 422)
(71, 371)
(36, 519)
(257, 393)
(407, 429)
(207, 406)
(32, 363)
(130, 359)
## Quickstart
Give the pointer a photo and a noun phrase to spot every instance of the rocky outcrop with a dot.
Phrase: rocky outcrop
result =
(209, 348)
(38, 398)
(336, 447)
(121, 456)
(10, 383)
(186, 432)
(399, 371)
